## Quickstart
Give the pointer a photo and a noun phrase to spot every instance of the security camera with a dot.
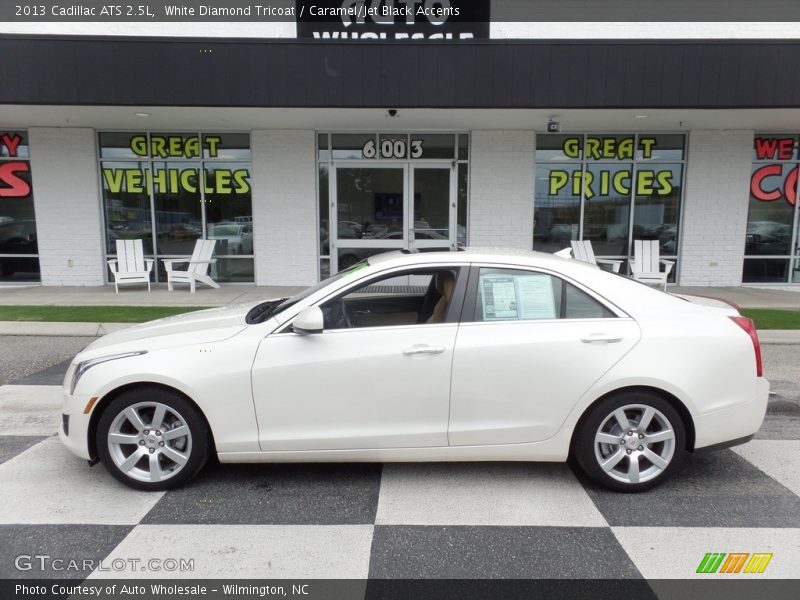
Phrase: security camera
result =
(553, 126)
(392, 112)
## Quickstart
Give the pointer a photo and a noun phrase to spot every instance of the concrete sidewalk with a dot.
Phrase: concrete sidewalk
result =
(745, 297)
(139, 296)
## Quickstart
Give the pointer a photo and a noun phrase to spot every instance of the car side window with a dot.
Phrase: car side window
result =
(418, 297)
(520, 295)
(580, 305)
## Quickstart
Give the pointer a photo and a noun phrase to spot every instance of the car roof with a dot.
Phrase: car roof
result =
(467, 255)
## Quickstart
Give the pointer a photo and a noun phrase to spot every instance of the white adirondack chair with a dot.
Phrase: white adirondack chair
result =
(197, 268)
(582, 250)
(130, 266)
(646, 263)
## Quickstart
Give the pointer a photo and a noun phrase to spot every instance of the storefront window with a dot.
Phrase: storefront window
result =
(170, 189)
(772, 254)
(19, 260)
(610, 189)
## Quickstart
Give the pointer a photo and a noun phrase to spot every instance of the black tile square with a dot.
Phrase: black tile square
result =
(53, 375)
(460, 552)
(20, 545)
(717, 489)
(275, 494)
(11, 445)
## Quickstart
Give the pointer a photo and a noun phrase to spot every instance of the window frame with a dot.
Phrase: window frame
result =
(454, 310)
(149, 162)
(471, 297)
(583, 164)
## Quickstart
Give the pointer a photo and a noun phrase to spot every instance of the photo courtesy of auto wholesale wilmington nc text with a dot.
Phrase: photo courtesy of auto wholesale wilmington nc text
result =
(108, 590)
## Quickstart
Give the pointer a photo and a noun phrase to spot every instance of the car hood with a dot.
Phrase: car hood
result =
(198, 327)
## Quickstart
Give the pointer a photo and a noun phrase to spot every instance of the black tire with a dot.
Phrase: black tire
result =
(198, 442)
(587, 454)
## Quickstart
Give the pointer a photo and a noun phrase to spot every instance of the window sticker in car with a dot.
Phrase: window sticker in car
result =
(518, 297)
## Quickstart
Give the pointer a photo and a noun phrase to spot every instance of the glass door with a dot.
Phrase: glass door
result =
(384, 206)
(432, 207)
(369, 201)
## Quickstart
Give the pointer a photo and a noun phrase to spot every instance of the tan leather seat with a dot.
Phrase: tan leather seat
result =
(444, 282)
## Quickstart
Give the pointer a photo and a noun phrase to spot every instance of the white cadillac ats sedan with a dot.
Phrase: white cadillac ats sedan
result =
(441, 356)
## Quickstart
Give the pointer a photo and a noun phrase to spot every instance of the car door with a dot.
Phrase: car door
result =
(530, 345)
(378, 379)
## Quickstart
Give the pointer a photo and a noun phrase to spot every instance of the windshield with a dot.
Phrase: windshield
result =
(264, 311)
(227, 230)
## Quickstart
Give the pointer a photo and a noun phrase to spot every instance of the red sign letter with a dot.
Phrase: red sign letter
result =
(11, 185)
(11, 142)
(757, 179)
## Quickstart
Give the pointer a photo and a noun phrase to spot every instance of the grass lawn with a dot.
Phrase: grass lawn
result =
(92, 314)
(772, 318)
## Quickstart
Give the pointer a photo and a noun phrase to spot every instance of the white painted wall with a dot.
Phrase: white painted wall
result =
(501, 189)
(285, 207)
(715, 207)
(66, 198)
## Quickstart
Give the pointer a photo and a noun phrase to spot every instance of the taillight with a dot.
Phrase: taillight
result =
(750, 329)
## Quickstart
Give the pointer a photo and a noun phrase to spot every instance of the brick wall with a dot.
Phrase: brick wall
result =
(285, 207)
(715, 207)
(66, 198)
(501, 189)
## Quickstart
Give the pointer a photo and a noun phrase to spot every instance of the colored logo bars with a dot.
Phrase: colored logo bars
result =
(735, 562)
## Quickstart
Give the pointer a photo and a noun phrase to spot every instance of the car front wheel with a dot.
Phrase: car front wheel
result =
(152, 439)
(630, 442)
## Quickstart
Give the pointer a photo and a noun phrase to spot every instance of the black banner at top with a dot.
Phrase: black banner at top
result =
(393, 19)
(396, 18)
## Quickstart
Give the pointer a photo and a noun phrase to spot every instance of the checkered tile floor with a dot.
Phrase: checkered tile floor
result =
(490, 520)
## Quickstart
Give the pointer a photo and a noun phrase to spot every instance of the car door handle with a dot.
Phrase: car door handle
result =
(414, 350)
(600, 338)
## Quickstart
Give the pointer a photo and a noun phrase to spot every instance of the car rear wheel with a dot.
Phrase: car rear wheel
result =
(630, 442)
(152, 439)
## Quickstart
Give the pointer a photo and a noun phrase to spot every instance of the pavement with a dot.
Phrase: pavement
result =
(745, 297)
(482, 520)
(235, 293)
(104, 295)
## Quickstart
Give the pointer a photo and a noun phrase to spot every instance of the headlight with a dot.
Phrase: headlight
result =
(85, 365)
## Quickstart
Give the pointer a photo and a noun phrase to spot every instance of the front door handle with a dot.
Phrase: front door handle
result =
(414, 350)
(600, 338)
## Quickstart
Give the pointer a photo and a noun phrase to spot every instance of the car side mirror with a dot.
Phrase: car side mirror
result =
(308, 321)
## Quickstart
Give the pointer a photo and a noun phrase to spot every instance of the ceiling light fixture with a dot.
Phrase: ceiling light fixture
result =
(142, 114)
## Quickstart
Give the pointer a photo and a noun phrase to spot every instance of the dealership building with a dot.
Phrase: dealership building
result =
(303, 154)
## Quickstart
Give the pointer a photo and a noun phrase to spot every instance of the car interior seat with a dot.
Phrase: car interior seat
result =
(444, 282)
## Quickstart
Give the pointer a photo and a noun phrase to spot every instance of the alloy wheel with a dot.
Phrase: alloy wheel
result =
(149, 441)
(634, 444)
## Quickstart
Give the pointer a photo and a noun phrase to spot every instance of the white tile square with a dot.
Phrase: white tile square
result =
(676, 552)
(247, 551)
(30, 409)
(780, 459)
(484, 494)
(48, 484)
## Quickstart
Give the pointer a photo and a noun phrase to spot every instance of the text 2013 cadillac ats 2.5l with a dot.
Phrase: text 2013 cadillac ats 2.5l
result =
(441, 356)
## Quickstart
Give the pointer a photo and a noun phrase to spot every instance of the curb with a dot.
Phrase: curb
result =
(60, 328)
(790, 337)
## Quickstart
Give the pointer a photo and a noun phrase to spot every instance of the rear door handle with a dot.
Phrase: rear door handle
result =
(414, 350)
(600, 338)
